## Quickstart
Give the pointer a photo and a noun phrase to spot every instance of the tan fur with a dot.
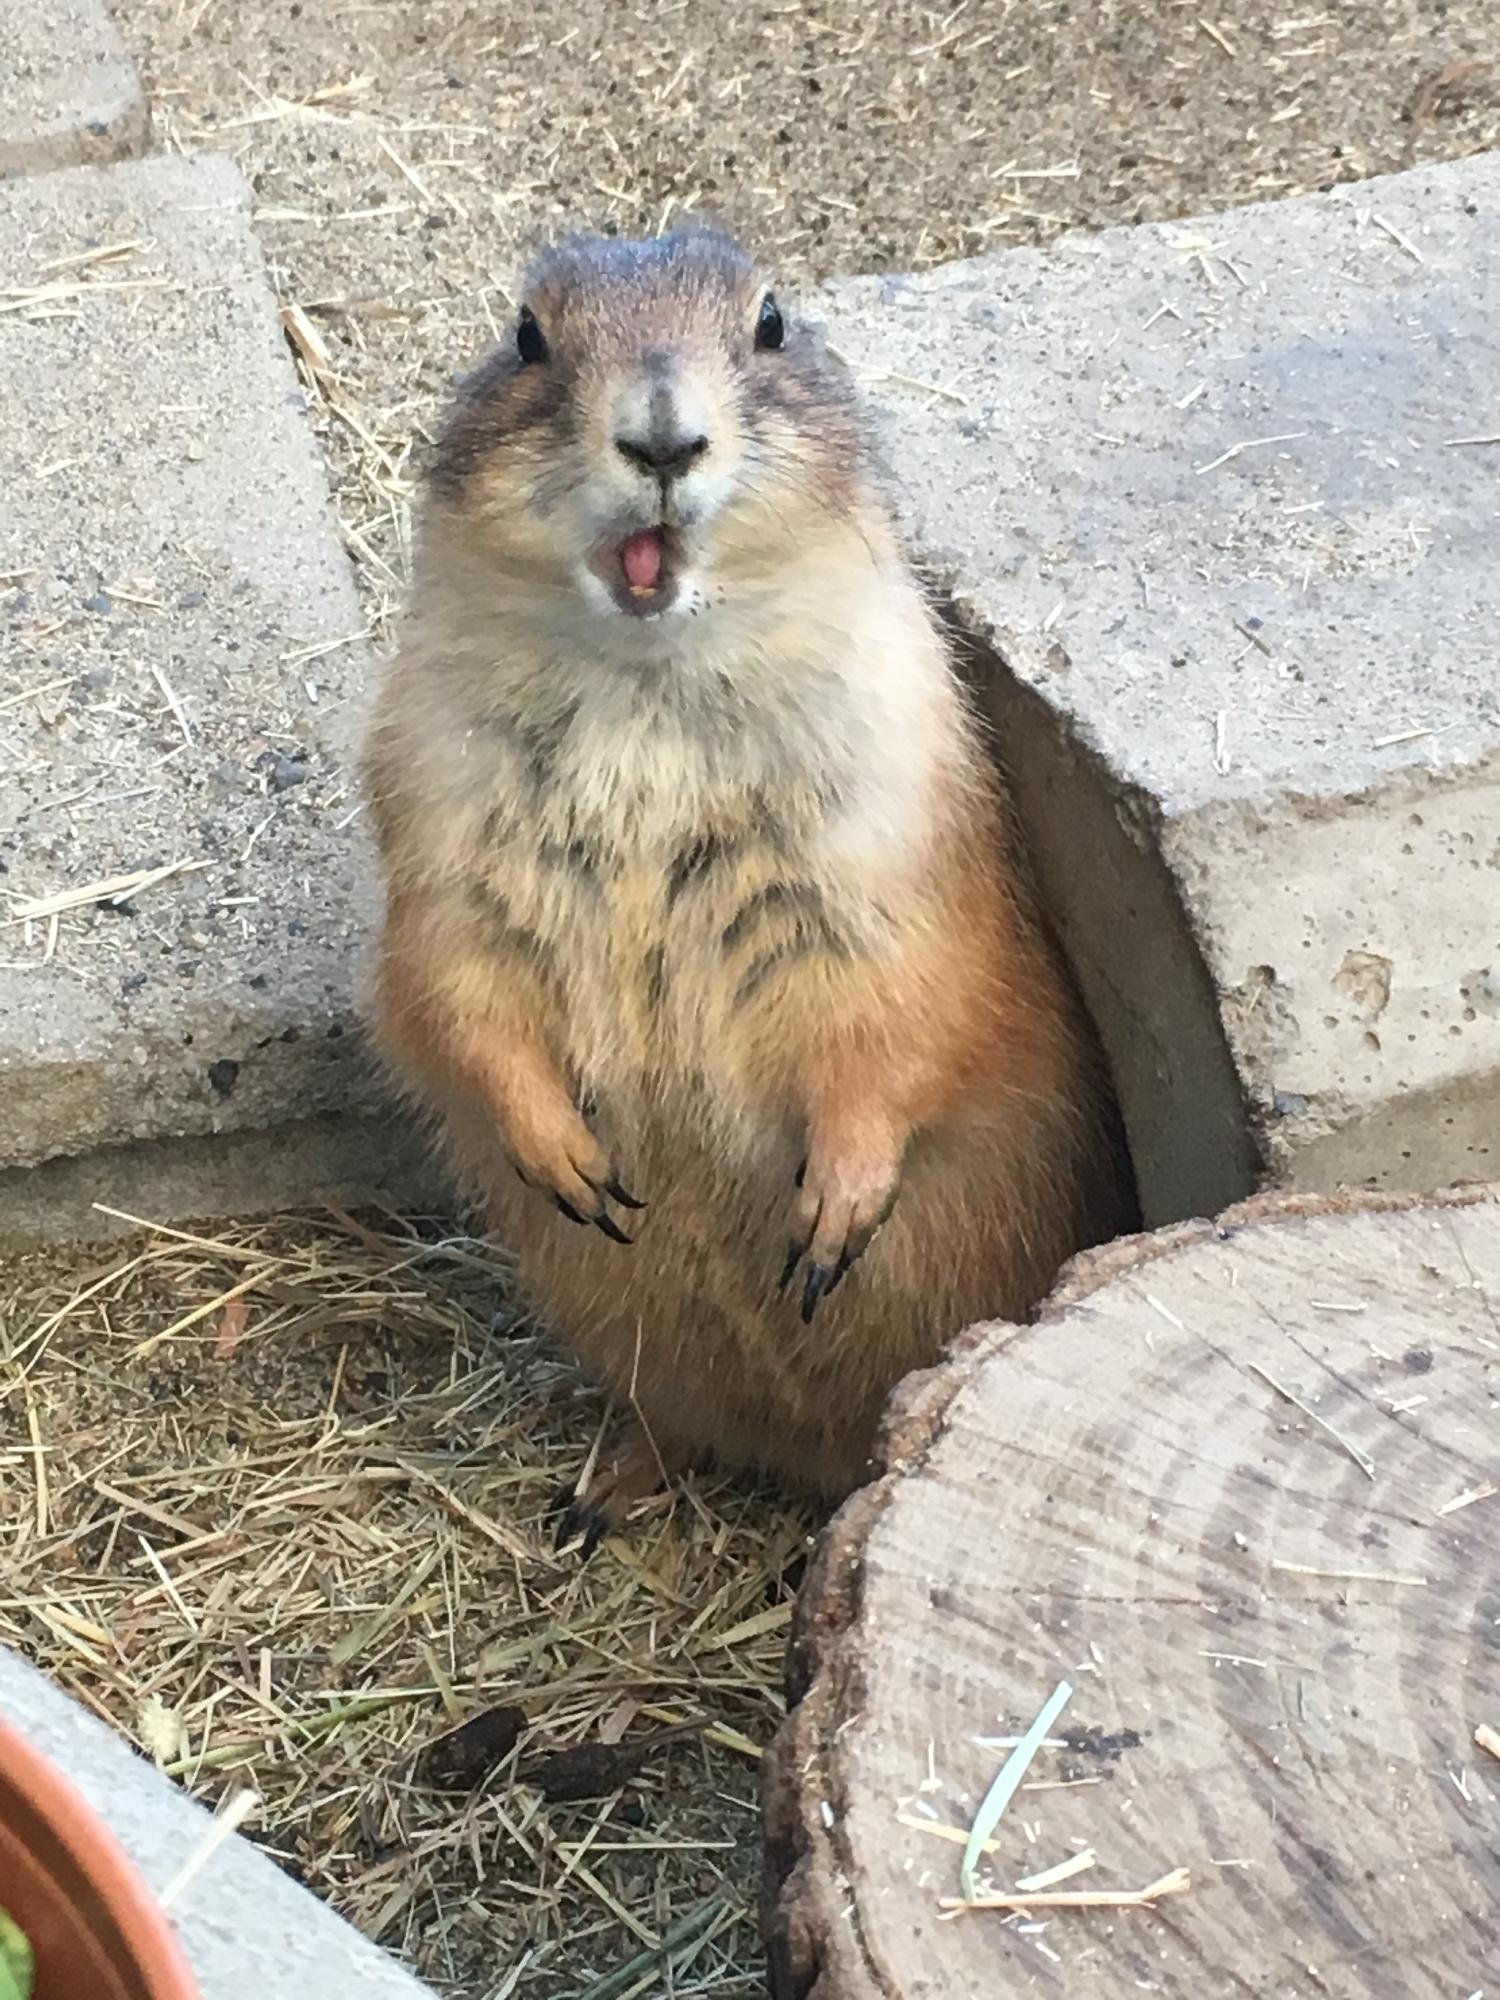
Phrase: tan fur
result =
(693, 899)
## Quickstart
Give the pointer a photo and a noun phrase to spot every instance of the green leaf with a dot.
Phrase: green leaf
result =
(17, 1967)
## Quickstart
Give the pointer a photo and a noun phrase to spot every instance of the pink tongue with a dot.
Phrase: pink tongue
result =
(641, 559)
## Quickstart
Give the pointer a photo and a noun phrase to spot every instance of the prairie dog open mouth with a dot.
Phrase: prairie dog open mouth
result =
(640, 570)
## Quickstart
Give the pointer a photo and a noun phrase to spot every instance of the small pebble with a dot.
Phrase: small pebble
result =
(190, 600)
(287, 771)
(101, 602)
(223, 1075)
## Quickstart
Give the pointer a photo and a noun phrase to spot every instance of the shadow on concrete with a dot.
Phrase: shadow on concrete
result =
(1117, 914)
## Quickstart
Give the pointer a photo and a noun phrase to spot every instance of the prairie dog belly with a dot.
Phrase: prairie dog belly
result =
(660, 917)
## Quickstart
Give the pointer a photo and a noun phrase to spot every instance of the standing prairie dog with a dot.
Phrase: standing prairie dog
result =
(706, 941)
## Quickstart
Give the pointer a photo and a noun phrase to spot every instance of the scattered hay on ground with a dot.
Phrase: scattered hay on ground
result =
(275, 1503)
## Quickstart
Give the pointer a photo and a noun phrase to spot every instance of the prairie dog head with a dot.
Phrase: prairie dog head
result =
(655, 441)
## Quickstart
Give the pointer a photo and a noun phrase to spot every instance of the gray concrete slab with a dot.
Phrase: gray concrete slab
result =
(69, 94)
(1224, 495)
(182, 673)
(245, 1927)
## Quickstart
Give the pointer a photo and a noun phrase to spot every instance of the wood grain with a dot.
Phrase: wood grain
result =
(1279, 1662)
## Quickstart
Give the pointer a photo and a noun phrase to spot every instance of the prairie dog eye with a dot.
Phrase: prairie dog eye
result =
(770, 328)
(531, 342)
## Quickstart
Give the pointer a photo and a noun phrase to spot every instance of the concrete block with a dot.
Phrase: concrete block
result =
(246, 1927)
(69, 94)
(1224, 497)
(182, 675)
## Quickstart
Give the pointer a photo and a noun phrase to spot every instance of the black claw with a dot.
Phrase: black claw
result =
(616, 1193)
(566, 1208)
(794, 1256)
(800, 1176)
(588, 1526)
(839, 1271)
(581, 1523)
(605, 1223)
(820, 1279)
(565, 1532)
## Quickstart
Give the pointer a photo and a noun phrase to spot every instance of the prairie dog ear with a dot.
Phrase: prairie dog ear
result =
(531, 341)
(770, 325)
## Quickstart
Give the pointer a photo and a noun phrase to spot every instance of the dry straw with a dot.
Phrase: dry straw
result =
(275, 1502)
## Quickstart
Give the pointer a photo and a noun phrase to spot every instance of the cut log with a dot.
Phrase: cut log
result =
(1238, 1487)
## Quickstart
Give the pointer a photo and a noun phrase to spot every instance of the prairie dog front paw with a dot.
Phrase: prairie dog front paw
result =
(552, 1148)
(848, 1188)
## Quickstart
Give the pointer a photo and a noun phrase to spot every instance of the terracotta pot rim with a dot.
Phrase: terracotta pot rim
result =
(127, 1902)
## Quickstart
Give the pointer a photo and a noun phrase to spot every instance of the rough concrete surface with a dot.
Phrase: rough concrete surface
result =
(244, 1925)
(1224, 494)
(69, 94)
(180, 684)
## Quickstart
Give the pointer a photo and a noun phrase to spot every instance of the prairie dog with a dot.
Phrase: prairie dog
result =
(706, 942)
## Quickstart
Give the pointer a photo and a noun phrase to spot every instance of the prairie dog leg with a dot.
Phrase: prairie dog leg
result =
(475, 1030)
(867, 1090)
(848, 1189)
(633, 1467)
(549, 1142)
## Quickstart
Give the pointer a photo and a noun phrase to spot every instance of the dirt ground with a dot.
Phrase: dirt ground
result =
(405, 153)
(275, 1499)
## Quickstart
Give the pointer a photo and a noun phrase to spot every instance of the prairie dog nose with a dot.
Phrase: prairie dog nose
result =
(662, 455)
(659, 430)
